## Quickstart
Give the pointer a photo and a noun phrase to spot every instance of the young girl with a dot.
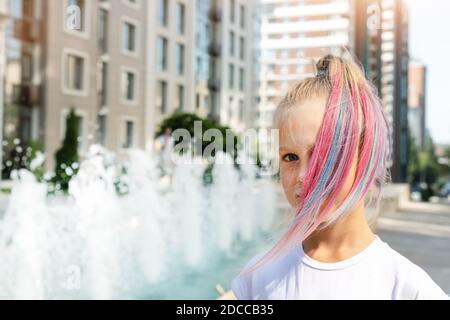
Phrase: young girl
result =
(334, 149)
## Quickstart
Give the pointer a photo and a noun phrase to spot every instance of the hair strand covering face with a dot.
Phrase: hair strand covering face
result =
(353, 125)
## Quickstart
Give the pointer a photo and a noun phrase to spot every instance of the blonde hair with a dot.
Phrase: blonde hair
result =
(320, 85)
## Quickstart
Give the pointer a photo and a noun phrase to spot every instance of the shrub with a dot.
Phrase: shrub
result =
(67, 156)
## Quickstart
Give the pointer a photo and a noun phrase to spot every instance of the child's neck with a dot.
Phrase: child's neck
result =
(341, 240)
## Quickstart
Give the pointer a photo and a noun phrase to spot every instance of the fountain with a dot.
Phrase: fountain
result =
(119, 235)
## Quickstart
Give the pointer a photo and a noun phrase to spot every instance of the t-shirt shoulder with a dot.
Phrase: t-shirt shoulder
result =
(243, 284)
(413, 282)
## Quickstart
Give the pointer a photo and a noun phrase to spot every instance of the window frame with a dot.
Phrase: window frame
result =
(86, 72)
(124, 70)
(137, 33)
(123, 132)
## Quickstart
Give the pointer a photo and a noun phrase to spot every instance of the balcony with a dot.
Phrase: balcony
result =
(25, 94)
(214, 84)
(215, 49)
(26, 29)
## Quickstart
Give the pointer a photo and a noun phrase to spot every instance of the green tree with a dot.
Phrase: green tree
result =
(183, 120)
(67, 155)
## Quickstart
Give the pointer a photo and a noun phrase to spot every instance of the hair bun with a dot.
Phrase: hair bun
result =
(322, 65)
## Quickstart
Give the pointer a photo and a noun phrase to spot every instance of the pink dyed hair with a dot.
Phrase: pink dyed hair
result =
(354, 124)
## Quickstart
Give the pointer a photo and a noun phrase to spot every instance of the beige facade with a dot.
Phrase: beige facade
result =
(62, 44)
(125, 65)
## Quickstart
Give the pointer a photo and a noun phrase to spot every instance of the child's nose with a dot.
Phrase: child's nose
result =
(301, 174)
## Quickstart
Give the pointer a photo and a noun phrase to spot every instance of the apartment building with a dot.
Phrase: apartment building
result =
(82, 54)
(205, 59)
(124, 66)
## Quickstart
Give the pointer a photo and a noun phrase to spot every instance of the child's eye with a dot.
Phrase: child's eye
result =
(290, 157)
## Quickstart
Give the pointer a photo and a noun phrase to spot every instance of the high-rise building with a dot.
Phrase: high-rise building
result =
(367, 37)
(215, 39)
(295, 33)
(172, 53)
(381, 44)
(233, 61)
(395, 60)
(416, 102)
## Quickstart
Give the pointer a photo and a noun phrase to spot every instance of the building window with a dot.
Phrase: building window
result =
(162, 54)
(232, 9)
(101, 129)
(132, 3)
(75, 73)
(129, 86)
(241, 110)
(103, 30)
(241, 79)
(180, 59)
(231, 43)
(181, 13)
(231, 76)
(197, 101)
(129, 138)
(242, 16)
(104, 84)
(161, 98)
(163, 12)
(75, 20)
(180, 97)
(129, 37)
(241, 48)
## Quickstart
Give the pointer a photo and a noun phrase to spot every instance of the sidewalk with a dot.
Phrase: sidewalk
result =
(421, 232)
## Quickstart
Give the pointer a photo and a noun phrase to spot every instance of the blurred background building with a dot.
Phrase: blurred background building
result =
(416, 102)
(126, 65)
(296, 33)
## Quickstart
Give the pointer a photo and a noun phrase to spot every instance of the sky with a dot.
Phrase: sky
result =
(429, 37)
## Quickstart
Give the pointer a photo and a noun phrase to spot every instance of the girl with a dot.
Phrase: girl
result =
(334, 149)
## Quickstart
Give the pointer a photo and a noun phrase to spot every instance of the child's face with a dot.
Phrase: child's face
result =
(298, 133)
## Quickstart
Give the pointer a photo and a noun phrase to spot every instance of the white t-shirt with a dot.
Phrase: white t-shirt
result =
(377, 272)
